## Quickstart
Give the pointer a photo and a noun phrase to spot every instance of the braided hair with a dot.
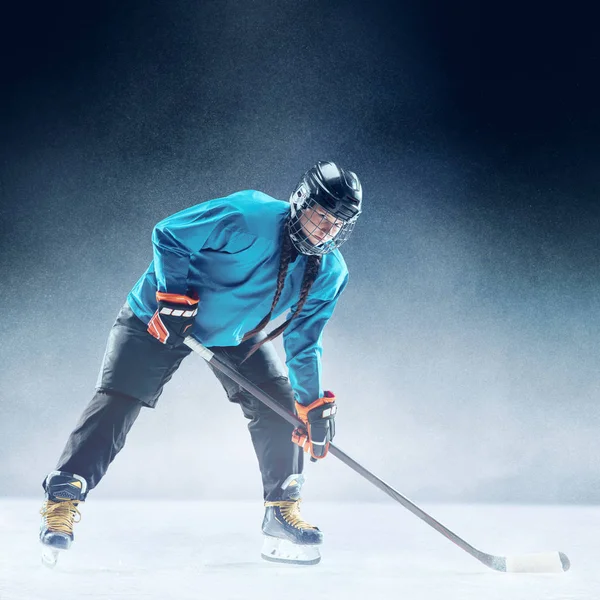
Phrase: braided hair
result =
(310, 274)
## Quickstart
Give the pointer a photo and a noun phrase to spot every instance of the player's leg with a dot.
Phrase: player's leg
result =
(288, 538)
(98, 437)
(134, 371)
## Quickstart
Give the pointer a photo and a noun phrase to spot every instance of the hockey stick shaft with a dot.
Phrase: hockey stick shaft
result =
(495, 562)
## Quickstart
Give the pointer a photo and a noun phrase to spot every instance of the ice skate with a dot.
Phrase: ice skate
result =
(287, 538)
(64, 492)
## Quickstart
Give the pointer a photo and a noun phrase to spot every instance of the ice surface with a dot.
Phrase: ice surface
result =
(211, 550)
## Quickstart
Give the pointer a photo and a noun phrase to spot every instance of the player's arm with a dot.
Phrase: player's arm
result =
(178, 237)
(175, 240)
(302, 343)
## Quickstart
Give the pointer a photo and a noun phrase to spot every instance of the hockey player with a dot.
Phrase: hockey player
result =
(221, 271)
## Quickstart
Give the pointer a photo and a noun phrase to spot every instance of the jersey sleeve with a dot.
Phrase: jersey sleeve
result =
(303, 348)
(178, 237)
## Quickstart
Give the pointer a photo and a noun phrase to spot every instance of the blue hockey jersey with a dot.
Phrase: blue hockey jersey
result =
(228, 251)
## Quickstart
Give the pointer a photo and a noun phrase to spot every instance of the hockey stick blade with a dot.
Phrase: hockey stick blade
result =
(544, 562)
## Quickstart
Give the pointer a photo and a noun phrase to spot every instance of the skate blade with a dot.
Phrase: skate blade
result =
(49, 556)
(284, 551)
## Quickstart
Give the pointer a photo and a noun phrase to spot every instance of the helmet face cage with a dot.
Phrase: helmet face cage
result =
(305, 223)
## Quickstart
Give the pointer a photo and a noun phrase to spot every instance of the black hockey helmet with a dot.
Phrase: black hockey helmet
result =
(335, 191)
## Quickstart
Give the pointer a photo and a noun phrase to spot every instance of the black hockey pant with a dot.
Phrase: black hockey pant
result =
(134, 371)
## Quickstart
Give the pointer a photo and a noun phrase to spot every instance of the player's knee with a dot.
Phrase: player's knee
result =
(115, 402)
(279, 389)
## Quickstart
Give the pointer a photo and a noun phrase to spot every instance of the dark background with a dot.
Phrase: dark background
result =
(465, 351)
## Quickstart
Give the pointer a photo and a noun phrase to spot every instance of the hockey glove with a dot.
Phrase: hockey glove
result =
(173, 319)
(319, 426)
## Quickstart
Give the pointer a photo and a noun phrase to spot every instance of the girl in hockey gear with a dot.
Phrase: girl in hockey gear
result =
(221, 271)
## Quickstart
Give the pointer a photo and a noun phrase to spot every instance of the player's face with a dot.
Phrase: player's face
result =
(319, 225)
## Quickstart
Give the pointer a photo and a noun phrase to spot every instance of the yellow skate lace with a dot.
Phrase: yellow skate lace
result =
(290, 511)
(60, 516)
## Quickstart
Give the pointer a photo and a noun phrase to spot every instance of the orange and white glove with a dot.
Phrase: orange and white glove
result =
(173, 319)
(319, 426)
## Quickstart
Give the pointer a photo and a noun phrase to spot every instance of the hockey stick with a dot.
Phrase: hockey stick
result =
(544, 562)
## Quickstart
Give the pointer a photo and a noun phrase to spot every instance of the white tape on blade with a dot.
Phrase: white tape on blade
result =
(543, 562)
